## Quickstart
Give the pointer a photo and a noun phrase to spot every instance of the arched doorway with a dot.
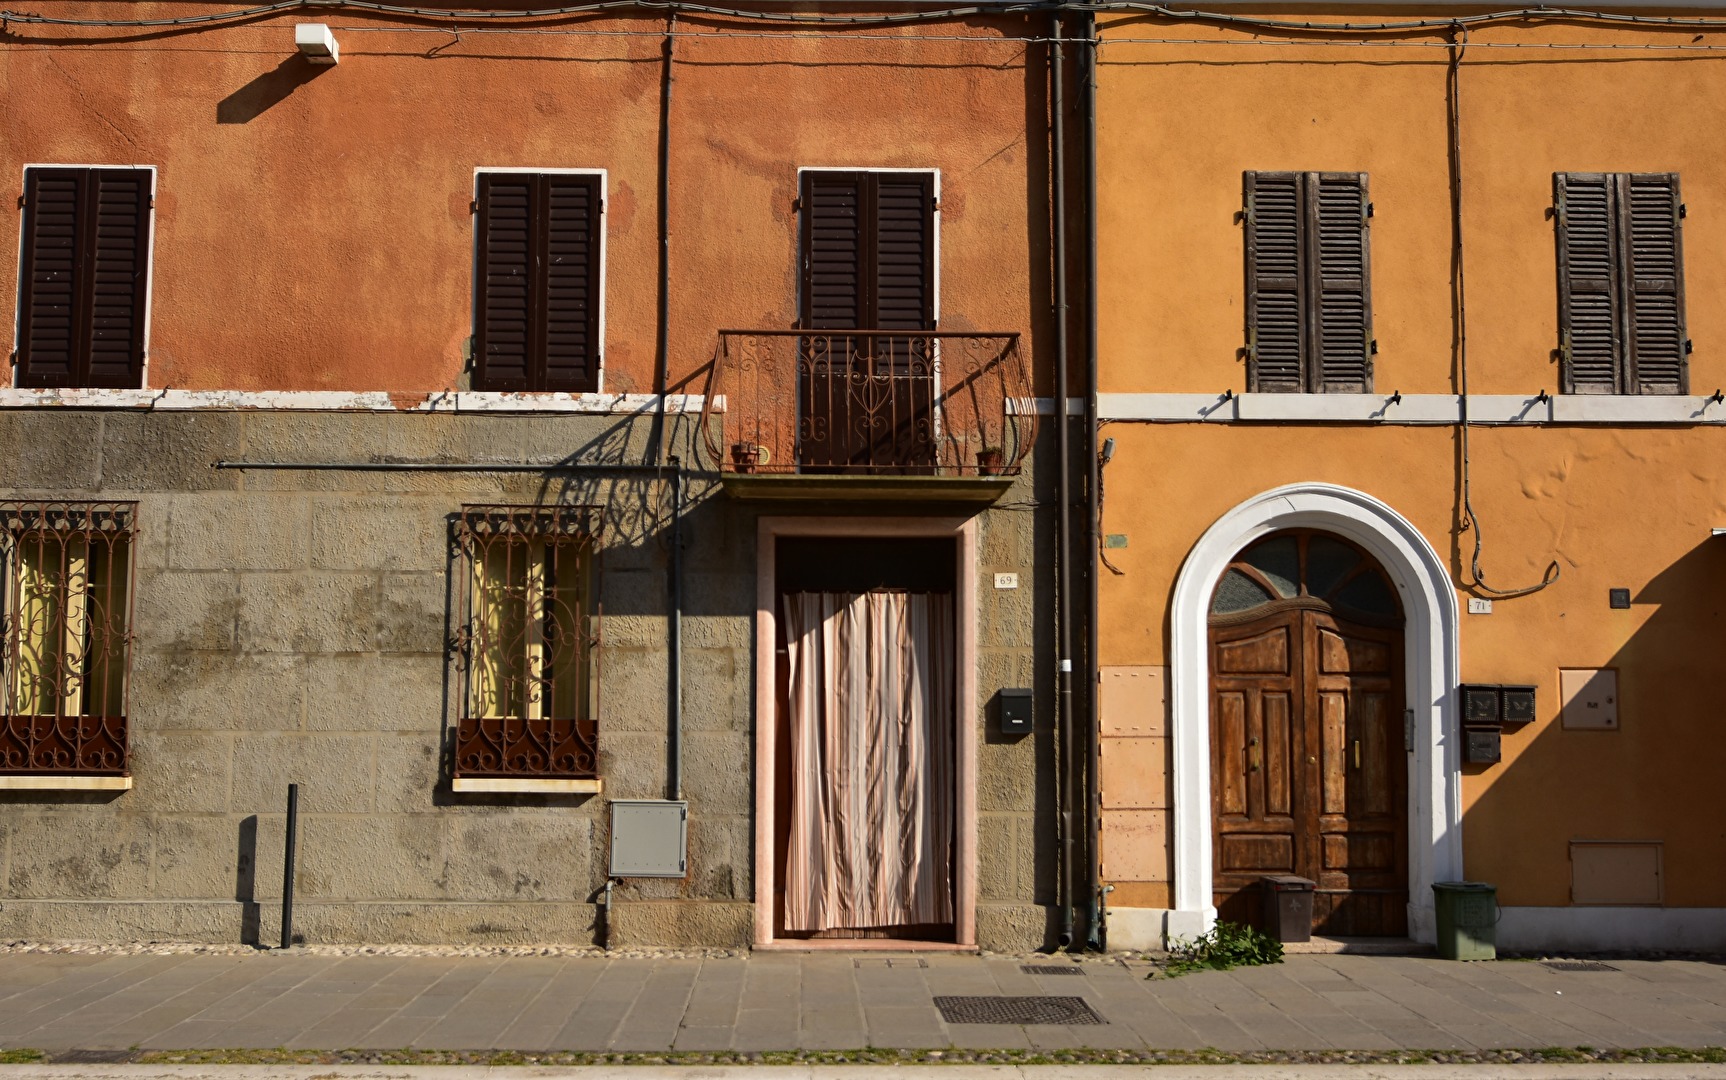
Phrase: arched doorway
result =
(1308, 771)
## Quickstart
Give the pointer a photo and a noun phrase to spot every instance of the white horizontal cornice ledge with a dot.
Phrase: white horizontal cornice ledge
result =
(1410, 408)
(380, 401)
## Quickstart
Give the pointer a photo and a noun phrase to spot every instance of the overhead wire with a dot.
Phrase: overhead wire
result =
(685, 7)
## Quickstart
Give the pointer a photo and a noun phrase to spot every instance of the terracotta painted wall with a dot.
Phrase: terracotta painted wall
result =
(1624, 507)
(313, 227)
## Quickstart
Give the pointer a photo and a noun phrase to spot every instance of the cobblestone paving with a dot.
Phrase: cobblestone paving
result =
(824, 1001)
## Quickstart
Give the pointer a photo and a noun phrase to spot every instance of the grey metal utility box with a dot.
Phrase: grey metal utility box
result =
(649, 838)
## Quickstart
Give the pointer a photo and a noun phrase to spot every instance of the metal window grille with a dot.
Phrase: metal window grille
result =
(66, 631)
(527, 645)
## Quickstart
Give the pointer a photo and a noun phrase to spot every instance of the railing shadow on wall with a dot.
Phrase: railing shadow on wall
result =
(869, 401)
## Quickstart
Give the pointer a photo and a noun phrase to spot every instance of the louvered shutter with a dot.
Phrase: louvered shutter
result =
(1588, 314)
(835, 255)
(1274, 282)
(48, 301)
(904, 251)
(1341, 281)
(1653, 281)
(504, 322)
(85, 277)
(569, 297)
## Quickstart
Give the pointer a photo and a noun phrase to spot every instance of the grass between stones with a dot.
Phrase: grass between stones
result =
(876, 1056)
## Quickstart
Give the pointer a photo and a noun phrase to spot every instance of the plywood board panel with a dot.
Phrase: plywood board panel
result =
(1135, 700)
(1135, 774)
(1135, 845)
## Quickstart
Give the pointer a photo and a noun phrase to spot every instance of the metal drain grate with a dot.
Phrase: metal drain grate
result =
(1016, 1010)
(1051, 969)
(1576, 965)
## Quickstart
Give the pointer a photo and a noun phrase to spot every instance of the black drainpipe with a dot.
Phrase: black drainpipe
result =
(1094, 929)
(674, 638)
(662, 346)
(1064, 772)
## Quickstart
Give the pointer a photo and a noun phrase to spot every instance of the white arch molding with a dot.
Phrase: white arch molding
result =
(1431, 656)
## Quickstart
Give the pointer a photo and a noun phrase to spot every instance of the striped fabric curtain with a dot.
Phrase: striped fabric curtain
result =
(873, 757)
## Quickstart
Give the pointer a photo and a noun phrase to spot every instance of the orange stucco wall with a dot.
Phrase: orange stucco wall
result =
(1617, 507)
(313, 227)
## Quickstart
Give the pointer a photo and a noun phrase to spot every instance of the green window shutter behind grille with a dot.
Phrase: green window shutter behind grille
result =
(86, 260)
(537, 327)
(1309, 283)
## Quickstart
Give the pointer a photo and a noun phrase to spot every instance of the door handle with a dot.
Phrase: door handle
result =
(1253, 755)
(1357, 753)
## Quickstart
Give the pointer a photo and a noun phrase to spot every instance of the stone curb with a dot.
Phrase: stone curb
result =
(855, 1072)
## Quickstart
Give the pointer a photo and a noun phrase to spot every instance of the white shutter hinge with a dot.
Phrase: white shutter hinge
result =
(1683, 211)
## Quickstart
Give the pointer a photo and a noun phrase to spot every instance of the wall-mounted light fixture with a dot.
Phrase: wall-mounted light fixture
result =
(316, 43)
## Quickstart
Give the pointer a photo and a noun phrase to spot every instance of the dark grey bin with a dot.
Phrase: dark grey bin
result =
(1288, 907)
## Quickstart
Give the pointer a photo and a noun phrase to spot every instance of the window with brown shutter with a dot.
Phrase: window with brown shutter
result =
(868, 264)
(84, 280)
(1621, 283)
(1309, 283)
(536, 324)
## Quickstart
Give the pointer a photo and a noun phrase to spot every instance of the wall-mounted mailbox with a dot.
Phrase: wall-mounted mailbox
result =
(1480, 704)
(1481, 746)
(1518, 704)
(1016, 718)
(1496, 703)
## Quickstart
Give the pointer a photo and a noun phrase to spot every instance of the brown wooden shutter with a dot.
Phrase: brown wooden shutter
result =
(1588, 267)
(1341, 283)
(904, 251)
(537, 324)
(503, 325)
(85, 277)
(1653, 281)
(570, 287)
(1274, 282)
(836, 259)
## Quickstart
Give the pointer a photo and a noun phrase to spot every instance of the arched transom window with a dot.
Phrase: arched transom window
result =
(1305, 569)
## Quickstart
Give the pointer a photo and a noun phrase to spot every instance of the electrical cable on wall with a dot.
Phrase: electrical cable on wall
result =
(1470, 521)
(1521, 16)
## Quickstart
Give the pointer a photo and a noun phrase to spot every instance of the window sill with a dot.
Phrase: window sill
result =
(65, 783)
(1389, 409)
(493, 785)
(463, 401)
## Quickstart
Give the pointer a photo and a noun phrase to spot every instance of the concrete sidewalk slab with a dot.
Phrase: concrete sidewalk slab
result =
(829, 1001)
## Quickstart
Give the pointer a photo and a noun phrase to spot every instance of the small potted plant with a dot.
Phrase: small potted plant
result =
(745, 457)
(990, 461)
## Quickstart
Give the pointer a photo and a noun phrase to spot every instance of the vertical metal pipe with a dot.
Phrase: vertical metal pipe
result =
(1093, 517)
(1063, 494)
(662, 346)
(288, 851)
(674, 638)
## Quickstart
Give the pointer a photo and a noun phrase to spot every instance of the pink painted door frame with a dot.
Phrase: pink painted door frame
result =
(963, 531)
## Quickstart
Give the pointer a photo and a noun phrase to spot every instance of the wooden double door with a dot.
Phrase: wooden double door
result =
(1309, 770)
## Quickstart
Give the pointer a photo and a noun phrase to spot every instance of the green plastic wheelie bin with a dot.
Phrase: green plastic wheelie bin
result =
(1467, 919)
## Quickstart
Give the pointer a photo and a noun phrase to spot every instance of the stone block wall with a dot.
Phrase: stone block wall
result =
(292, 626)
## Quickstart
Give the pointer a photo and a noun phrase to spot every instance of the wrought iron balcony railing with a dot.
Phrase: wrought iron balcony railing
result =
(870, 401)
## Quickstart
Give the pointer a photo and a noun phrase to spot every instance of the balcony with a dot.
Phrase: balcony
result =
(869, 414)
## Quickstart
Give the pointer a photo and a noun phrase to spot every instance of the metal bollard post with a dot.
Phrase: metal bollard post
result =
(288, 866)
